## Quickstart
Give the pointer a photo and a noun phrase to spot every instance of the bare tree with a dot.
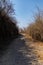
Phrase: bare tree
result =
(8, 27)
(6, 5)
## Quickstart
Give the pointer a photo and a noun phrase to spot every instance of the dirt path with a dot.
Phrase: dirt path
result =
(20, 52)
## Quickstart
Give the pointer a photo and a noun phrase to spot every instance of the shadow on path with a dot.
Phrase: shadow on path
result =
(18, 53)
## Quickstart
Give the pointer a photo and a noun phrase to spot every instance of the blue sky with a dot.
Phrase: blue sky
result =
(25, 9)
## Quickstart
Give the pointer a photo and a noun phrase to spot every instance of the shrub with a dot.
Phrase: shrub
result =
(8, 27)
(36, 29)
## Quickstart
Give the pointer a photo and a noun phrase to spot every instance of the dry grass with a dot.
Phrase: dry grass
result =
(38, 48)
(39, 51)
(35, 30)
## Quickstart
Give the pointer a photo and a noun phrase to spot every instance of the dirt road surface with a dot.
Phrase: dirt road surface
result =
(22, 52)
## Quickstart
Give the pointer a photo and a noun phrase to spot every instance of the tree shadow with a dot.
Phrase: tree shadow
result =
(18, 53)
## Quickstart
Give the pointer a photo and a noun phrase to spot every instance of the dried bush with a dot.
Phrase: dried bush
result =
(36, 29)
(8, 27)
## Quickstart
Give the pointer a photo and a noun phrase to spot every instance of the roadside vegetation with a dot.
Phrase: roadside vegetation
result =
(35, 29)
(8, 24)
